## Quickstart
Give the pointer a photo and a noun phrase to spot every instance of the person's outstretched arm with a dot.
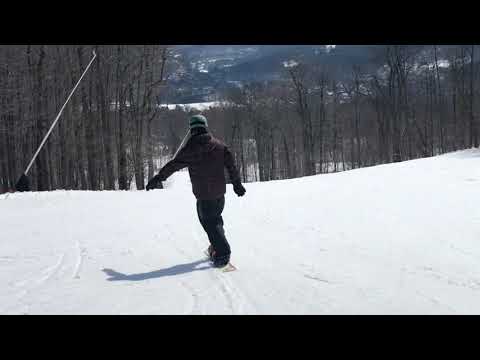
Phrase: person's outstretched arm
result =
(182, 160)
(233, 173)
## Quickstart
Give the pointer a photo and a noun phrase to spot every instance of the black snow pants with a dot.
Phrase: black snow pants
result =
(210, 216)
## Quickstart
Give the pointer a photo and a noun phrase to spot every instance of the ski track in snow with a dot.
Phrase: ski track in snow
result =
(233, 300)
(80, 255)
(30, 285)
(436, 302)
(391, 239)
(51, 271)
(195, 307)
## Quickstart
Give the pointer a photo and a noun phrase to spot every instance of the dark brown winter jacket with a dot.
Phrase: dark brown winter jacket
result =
(206, 158)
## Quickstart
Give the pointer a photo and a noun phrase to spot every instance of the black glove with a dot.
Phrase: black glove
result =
(154, 183)
(239, 189)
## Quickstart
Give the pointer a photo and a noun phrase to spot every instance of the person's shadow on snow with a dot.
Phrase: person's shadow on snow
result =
(171, 271)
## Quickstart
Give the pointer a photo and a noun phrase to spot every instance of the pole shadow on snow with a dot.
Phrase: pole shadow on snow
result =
(171, 271)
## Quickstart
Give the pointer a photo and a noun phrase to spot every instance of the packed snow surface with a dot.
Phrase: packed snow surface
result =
(392, 239)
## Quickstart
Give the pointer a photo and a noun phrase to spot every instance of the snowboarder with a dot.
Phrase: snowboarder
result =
(206, 157)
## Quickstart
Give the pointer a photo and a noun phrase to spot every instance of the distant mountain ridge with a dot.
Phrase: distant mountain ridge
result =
(206, 69)
(203, 70)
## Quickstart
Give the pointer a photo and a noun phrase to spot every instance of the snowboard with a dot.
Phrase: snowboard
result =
(227, 268)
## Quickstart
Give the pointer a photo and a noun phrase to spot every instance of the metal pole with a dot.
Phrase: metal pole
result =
(181, 144)
(59, 114)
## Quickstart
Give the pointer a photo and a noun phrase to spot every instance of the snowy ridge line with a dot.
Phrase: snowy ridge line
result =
(196, 106)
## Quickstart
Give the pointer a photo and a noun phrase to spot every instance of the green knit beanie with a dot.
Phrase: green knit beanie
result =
(198, 121)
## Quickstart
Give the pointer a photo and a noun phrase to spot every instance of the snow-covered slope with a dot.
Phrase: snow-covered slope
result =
(392, 239)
